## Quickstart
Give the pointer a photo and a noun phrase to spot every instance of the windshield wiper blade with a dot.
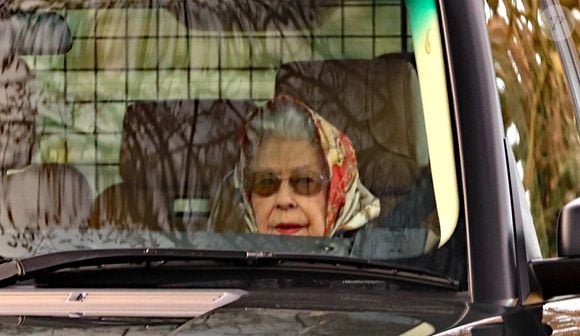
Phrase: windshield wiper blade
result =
(23, 269)
(366, 267)
(20, 269)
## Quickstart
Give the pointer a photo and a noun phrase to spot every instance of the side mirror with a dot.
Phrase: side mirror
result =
(569, 230)
(561, 276)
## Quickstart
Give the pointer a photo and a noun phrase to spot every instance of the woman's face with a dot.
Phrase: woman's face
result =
(286, 211)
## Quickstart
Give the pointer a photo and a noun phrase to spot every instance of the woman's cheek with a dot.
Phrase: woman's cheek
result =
(261, 212)
(318, 215)
(316, 230)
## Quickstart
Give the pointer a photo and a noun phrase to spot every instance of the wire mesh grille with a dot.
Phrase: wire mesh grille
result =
(122, 55)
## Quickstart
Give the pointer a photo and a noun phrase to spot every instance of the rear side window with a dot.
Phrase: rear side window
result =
(537, 109)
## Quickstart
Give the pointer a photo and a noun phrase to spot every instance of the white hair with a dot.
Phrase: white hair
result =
(286, 121)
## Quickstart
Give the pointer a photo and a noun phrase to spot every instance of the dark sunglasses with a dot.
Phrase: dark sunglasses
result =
(305, 183)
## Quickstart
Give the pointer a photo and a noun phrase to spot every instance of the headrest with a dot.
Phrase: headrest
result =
(34, 33)
(183, 147)
(375, 103)
(17, 114)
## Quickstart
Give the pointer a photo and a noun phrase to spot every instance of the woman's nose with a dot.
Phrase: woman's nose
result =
(285, 197)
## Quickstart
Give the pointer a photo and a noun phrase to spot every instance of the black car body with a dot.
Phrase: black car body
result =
(109, 175)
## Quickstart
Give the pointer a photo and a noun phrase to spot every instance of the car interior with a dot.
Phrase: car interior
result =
(172, 148)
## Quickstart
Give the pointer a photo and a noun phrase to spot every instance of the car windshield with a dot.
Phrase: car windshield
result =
(299, 127)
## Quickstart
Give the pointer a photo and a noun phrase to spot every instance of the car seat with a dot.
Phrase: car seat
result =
(173, 155)
(33, 195)
(376, 104)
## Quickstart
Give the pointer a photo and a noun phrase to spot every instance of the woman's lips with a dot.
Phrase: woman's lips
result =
(288, 228)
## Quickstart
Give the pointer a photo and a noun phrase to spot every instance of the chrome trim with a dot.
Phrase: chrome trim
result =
(75, 303)
(466, 328)
(423, 328)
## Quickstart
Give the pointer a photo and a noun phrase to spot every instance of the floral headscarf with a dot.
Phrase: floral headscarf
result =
(349, 204)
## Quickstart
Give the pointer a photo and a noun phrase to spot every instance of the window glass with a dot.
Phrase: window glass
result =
(537, 109)
(180, 124)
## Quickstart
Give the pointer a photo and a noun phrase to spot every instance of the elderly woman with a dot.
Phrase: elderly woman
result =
(297, 175)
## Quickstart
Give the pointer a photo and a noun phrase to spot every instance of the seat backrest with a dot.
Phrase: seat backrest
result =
(376, 104)
(125, 206)
(35, 195)
(173, 154)
(181, 146)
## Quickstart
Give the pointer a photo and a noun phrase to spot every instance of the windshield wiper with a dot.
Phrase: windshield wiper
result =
(16, 270)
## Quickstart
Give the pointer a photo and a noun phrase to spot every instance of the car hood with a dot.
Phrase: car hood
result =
(281, 312)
